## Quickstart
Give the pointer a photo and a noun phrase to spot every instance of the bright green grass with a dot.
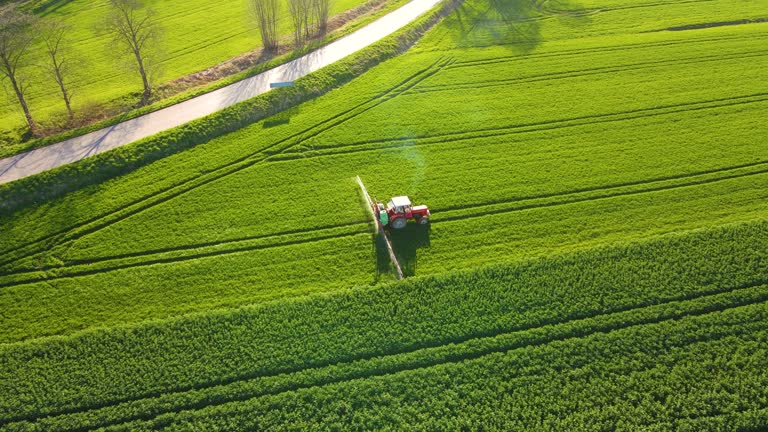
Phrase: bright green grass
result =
(602, 133)
(197, 34)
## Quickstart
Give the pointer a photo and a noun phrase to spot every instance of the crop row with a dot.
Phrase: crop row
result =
(268, 200)
(219, 347)
(570, 96)
(216, 357)
(654, 45)
(494, 233)
(175, 255)
(666, 375)
(103, 294)
(161, 409)
(220, 247)
(754, 102)
(446, 177)
(498, 219)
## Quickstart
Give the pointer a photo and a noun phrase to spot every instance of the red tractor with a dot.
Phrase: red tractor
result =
(399, 210)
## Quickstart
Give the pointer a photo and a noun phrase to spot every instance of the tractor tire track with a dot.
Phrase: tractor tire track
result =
(85, 267)
(646, 5)
(578, 52)
(173, 191)
(484, 84)
(492, 132)
(440, 215)
(401, 90)
(438, 352)
(600, 193)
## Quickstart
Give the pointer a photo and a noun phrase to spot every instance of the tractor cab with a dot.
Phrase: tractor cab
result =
(400, 205)
(399, 210)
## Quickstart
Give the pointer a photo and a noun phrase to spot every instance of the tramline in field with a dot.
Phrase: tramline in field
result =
(397, 212)
(395, 215)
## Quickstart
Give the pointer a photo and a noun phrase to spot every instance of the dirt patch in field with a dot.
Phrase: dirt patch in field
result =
(717, 24)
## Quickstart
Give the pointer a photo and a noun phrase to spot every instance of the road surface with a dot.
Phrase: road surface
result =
(45, 158)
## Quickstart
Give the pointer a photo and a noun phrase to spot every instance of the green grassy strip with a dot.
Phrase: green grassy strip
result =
(57, 182)
(451, 182)
(143, 290)
(106, 295)
(213, 349)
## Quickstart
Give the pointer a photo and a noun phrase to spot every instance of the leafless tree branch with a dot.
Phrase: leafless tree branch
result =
(266, 13)
(135, 30)
(60, 62)
(16, 39)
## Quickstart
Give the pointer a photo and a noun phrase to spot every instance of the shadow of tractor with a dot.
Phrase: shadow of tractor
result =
(406, 242)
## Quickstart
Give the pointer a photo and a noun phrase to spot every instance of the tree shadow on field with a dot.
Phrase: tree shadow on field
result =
(46, 7)
(406, 243)
(515, 23)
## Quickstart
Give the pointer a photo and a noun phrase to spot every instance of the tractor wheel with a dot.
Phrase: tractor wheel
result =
(423, 220)
(398, 223)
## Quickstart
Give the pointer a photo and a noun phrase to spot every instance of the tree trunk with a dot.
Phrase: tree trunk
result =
(60, 81)
(23, 102)
(144, 80)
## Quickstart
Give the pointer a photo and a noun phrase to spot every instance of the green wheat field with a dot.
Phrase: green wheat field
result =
(597, 173)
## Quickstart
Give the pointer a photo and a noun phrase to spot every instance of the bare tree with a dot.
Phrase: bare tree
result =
(16, 38)
(320, 11)
(135, 30)
(266, 13)
(60, 61)
(300, 15)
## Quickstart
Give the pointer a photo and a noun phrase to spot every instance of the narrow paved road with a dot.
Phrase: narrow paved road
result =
(45, 158)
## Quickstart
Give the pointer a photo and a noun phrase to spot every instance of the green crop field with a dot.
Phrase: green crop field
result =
(597, 174)
(196, 34)
(587, 340)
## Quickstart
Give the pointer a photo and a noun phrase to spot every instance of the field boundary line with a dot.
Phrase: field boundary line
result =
(621, 47)
(581, 51)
